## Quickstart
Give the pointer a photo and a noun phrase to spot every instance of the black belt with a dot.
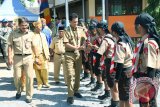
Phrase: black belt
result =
(59, 54)
(70, 51)
(22, 54)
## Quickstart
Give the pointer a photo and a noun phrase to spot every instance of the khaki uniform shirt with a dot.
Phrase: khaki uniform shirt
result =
(107, 46)
(40, 42)
(57, 45)
(123, 54)
(150, 55)
(20, 42)
(75, 37)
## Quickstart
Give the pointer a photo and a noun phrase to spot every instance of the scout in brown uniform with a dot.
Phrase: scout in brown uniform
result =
(73, 39)
(92, 35)
(107, 49)
(20, 43)
(99, 66)
(58, 48)
(147, 54)
(41, 56)
(123, 63)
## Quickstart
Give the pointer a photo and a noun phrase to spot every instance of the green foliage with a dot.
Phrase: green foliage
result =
(153, 9)
(31, 0)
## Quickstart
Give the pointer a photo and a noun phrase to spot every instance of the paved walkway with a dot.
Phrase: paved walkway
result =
(53, 97)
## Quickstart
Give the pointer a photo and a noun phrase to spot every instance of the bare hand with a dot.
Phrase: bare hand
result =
(94, 46)
(81, 48)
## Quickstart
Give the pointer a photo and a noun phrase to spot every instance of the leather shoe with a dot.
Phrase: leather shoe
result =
(78, 95)
(70, 100)
(57, 82)
(28, 100)
(18, 95)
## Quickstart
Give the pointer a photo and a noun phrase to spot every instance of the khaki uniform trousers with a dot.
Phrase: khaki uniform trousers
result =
(73, 67)
(42, 76)
(42, 73)
(23, 63)
(58, 60)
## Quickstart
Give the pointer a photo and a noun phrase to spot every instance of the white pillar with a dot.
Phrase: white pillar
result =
(83, 10)
(103, 10)
(67, 12)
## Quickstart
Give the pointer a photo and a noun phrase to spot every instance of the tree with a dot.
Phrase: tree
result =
(153, 9)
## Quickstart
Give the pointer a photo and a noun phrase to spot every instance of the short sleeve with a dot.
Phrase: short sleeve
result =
(152, 55)
(65, 38)
(10, 39)
(119, 54)
(52, 45)
(34, 41)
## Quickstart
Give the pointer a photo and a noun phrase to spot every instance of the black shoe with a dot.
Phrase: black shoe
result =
(78, 95)
(85, 78)
(28, 100)
(70, 100)
(8, 68)
(106, 95)
(18, 95)
(91, 84)
(57, 82)
(106, 100)
(102, 97)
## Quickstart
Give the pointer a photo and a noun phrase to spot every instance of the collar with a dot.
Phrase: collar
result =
(144, 37)
(73, 29)
(19, 31)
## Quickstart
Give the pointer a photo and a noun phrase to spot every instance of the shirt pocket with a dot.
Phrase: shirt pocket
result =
(16, 42)
(28, 43)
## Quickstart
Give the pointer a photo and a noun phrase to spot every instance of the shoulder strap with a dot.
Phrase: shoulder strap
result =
(108, 38)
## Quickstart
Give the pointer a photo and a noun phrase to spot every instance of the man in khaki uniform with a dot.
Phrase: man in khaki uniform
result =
(20, 44)
(59, 49)
(73, 39)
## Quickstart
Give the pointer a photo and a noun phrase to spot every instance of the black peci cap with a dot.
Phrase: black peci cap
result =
(61, 28)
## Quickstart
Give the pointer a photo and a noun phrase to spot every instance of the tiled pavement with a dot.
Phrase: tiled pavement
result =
(53, 97)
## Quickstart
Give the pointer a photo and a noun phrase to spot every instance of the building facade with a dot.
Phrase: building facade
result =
(115, 10)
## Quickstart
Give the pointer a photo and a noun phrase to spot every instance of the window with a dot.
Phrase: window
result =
(98, 7)
(120, 7)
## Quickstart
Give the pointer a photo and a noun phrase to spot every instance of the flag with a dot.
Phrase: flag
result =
(44, 8)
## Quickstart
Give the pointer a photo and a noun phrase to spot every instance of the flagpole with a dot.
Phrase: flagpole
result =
(67, 12)
(103, 10)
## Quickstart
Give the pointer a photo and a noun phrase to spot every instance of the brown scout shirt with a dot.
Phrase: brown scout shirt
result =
(75, 37)
(107, 43)
(123, 54)
(57, 45)
(150, 56)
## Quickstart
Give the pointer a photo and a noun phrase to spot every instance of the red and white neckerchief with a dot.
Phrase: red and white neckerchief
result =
(112, 68)
(135, 59)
